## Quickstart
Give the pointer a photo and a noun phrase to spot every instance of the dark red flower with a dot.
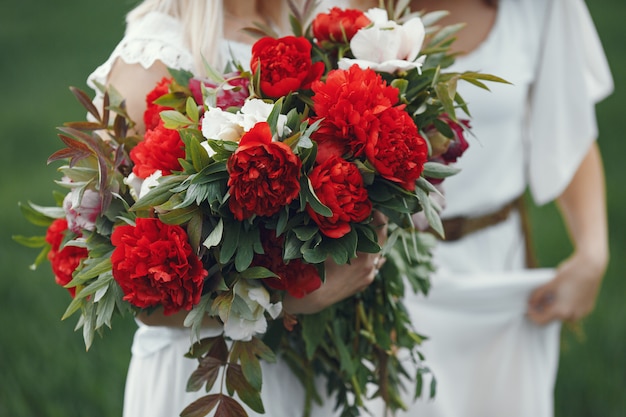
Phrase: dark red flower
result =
(349, 102)
(459, 144)
(399, 153)
(154, 265)
(264, 175)
(159, 150)
(151, 116)
(338, 25)
(285, 65)
(64, 261)
(339, 186)
(296, 277)
(232, 94)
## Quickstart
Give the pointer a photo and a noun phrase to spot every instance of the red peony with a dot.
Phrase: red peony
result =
(151, 117)
(160, 150)
(285, 65)
(155, 266)
(232, 94)
(63, 261)
(399, 153)
(338, 25)
(264, 175)
(339, 186)
(350, 101)
(296, 277)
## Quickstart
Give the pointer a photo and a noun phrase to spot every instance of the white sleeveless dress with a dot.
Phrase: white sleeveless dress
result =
(158, 371)
(488, 358)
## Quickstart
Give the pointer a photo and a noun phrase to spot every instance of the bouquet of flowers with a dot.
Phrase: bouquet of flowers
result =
(246, 182)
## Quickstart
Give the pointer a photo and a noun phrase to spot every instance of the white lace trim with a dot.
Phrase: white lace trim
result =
(155, 37)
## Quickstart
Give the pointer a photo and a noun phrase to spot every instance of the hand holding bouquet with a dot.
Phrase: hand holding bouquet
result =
(248, 184)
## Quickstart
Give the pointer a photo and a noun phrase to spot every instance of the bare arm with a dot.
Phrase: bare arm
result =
(572, 293)
(134, 82)
(342, 281)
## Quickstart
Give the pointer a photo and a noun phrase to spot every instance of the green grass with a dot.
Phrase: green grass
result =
(47, 46)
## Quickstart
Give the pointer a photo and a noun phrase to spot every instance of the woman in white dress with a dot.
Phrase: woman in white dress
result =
(179, 34)
(493, 325)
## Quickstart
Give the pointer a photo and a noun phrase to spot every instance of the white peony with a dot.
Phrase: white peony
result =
(140, 187)
(385, 45)
(246, 316)
(82, 208)
(218, 124)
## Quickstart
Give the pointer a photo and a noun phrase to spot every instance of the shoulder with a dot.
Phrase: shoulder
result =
(151, 38)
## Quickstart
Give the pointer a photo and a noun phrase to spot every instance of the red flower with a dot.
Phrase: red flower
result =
(459, 144)
(155, 266)
(399, 153)
(151, 116)
(232, 94)
(296, 277)
(339, 186)
(350, 101)
(285, 65)
(264, 175)
(338, 25)
(63, 261)
(159, 150)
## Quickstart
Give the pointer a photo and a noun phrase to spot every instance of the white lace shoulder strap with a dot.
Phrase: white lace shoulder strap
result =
(155, 37)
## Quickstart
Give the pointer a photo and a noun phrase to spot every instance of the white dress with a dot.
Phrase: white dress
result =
(488, 358)
(158, 371)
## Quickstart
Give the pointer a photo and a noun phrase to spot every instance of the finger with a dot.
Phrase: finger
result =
(544, 315)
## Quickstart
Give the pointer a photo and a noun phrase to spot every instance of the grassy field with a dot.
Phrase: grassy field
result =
(47, 46)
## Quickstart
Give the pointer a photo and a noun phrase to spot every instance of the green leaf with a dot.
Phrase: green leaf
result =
(178, 216)
(257, 272)
(191, 108)
(250, 365)
(174, 120)
(231, 241)
(159, 194)
(195, 317)
(105, 308)
(308, 195)
(345, 357)
(79, 299)
(245, 249)
(272, 119)
(39, 215)
(31, 242)
(437, 170)
(215, 237)
(180, 76)
(313, 329)
(92, 269)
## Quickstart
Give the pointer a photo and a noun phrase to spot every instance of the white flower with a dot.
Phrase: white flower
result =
(256, 110)
(222, 125)
(140, 187)
(218, 124)
(246, 316)
(82, 208)
(385, 45)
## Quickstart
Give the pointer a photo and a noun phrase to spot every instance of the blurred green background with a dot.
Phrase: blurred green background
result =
(47, 46)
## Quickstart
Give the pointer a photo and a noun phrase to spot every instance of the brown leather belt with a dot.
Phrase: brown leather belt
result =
(458, 227)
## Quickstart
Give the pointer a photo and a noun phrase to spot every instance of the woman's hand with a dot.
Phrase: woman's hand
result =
(342, 281)
(571, 294)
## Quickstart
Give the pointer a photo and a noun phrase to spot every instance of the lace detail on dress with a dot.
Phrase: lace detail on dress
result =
(156, 37)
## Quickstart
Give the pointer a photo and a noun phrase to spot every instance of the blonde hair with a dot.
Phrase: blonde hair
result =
(203, 21)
